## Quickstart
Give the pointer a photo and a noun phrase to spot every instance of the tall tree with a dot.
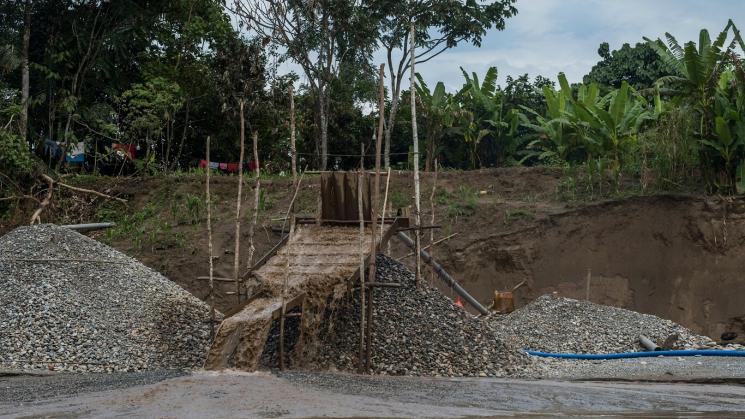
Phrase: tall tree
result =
(639, 66)
(319, 36)
(24, 69)
(440, 25)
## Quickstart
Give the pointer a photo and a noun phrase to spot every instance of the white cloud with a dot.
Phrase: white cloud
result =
(549, 36)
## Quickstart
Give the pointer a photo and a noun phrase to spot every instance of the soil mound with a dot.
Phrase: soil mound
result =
(556, 324)
(418, 331)
(68, 302)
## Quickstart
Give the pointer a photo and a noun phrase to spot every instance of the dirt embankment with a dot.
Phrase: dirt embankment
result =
(680, 258)
(676, 257)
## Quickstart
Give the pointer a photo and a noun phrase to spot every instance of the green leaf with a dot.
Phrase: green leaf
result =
(740, 177)
(722, 130)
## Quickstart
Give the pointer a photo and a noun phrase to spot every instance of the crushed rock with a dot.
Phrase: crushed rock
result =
(556, 324)
(418, 331)
(105, 312)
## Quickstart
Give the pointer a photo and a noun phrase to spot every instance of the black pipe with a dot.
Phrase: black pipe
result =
(444, 276)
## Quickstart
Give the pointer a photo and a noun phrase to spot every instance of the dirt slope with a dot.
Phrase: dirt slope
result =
(678, 257)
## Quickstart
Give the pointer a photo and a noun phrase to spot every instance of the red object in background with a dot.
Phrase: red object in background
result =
(458, 302)
(228, 167)
(129, 150)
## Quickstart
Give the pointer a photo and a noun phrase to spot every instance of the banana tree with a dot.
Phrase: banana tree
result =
(438, 110)
(699, 69)
(728, 138)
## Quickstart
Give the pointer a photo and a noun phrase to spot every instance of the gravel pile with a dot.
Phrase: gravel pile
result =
(418, 331)
(104, 312)
(556, 324)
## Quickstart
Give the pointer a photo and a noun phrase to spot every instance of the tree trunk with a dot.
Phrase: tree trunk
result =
(324, 120)
(430, 152)
(24, 70)
(169, 142)
(237, 252)
(183, 138)
(257, 197)
(389, 129)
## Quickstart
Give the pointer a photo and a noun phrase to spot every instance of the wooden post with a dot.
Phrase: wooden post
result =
(282, 317)
(293, 155)
(287, 280)
(237, 254)
(587, 290)
(208, 200)
(385, 197)
(257, 191)
(432, 215)
(360, 178)
(417, 206)
(374, 214)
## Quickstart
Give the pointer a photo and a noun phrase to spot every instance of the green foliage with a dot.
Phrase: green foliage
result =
(483, 116)
(15, 158)
(399, 199)
(639, 66)
(513, 215)
(600, 131)
(461, 203)
(710, 81)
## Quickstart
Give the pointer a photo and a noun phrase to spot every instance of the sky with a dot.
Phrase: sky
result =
(550, 36)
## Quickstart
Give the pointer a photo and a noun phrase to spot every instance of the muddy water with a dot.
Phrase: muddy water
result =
(677, 258)
(312, 270)
(298, 395)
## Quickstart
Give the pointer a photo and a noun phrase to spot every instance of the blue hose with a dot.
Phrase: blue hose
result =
(690, 352)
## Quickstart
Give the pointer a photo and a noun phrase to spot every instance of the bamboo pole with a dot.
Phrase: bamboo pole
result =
(360, 212)
(428, 246)
(237, 253)
(385, 198)
(282, 316)
(255, 209)
(417, 206)
(208, 200)
(293, 154)
(374, 215)
(286, 281)
(432, 214)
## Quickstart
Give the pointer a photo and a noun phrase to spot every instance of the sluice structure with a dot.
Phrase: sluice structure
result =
(313, 269)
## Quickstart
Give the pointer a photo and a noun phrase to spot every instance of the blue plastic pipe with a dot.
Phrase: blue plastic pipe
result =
(651, 354)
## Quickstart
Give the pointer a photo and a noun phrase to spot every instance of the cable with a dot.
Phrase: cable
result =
(651, 354)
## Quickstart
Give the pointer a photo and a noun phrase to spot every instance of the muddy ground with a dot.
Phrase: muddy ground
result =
(676, 256)
(297, 394)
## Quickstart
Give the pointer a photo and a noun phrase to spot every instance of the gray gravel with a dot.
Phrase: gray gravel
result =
(556, 324)
(25, 389)
(418, 331)
(668, 369)
(106, 312)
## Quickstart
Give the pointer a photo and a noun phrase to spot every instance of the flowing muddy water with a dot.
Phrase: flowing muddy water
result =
(300, 395)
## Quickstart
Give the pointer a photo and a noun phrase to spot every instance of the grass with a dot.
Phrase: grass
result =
(399, 199)
(513, 215)
(461, 203)
(153, 225)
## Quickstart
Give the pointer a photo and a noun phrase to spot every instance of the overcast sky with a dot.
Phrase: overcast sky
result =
(549, 36)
